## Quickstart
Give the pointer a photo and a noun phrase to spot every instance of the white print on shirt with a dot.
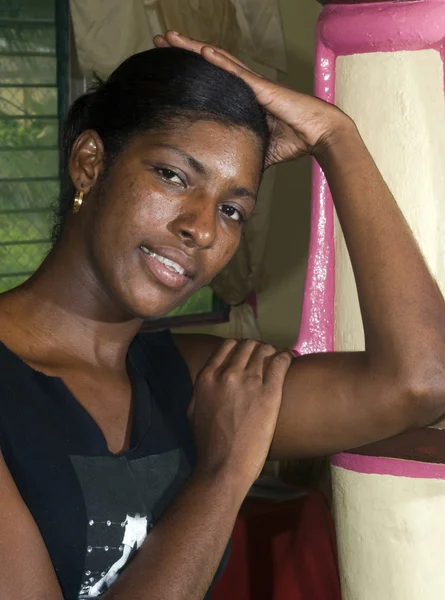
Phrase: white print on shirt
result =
(120, 496)
(134, 534)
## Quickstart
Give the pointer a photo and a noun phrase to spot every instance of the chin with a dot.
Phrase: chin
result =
(149, 300)
(152, 304)
(149, 311)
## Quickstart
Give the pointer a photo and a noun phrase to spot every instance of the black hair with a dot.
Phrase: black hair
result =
(154, 90)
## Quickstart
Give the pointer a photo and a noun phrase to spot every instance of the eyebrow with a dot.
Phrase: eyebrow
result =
(242, 192)
(238, 192)
(193, 162)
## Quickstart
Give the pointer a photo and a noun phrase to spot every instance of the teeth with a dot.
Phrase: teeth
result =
(170, 264)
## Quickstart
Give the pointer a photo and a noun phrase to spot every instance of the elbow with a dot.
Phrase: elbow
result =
(425, 395)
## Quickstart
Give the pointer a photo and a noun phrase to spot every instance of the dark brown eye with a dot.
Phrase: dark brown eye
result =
(169, 175)
(232, 212)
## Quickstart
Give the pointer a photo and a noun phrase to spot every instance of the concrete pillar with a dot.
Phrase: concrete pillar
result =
(382, 62)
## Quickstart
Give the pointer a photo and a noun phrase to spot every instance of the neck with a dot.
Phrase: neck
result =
(65, 312)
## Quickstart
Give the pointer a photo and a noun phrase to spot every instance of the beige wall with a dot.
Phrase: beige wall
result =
(280, 303)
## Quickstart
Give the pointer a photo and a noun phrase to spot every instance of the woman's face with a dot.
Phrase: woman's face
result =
(170, 213)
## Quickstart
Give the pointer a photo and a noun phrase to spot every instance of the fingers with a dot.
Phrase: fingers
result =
(261, 86)
(221, 354)
(245, 355)
(276, 371)
(160, 41)
(255, 359)
(171, 38)
(259, 359)
(174, 39)
(230, 57)
(232, 354)
(242, 354)
(182, 41)
(198, 46)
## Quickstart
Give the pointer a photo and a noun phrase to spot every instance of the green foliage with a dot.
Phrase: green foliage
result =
(15, 133)
(201, 302)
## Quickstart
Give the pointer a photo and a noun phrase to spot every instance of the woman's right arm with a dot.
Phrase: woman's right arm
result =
(177, 560)
(27, 572)
(180, 556)
(237, 398)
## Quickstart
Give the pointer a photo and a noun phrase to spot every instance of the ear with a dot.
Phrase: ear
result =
(86, 160)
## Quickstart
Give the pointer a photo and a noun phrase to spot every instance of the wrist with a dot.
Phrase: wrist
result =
(225, 481)
(341, 134)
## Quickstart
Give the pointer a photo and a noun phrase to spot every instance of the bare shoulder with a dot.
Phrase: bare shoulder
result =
(196, 349)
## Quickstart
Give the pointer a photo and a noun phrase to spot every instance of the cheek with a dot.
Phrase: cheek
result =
(225, 251)
(138, 211)
(115, 209)
(153, 203)
(231, 250)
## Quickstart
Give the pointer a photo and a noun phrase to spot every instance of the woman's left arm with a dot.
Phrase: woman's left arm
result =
(336, 401)
(349, 399)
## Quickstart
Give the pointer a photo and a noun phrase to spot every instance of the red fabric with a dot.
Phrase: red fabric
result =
(282, 551)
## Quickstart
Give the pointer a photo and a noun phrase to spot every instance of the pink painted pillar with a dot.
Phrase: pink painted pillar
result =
(382, 62)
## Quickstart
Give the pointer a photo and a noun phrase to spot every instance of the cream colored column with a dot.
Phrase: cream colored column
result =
(397, 101)
(390, 525)
(390, 528)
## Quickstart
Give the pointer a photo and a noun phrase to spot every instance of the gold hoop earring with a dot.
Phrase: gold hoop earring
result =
(78, 201)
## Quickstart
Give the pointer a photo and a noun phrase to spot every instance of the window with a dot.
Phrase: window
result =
(32, 94)
(35, 77)
(202, 308)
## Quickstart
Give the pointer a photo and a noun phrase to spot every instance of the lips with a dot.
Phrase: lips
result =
(171, 267)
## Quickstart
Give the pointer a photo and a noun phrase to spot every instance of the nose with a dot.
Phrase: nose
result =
(196, 227)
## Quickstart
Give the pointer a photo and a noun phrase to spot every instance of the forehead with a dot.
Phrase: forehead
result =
(235, 150)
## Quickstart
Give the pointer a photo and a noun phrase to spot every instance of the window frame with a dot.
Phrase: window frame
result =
(220, 313)
(12, 17)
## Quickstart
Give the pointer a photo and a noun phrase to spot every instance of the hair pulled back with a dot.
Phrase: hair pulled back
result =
(154, 90)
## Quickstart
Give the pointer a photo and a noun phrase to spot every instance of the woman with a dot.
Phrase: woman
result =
(163, 163)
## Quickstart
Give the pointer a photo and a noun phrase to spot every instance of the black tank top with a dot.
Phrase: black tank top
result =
(95, 508)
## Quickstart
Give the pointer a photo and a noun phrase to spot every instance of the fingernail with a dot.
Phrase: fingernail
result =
(175, 33)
